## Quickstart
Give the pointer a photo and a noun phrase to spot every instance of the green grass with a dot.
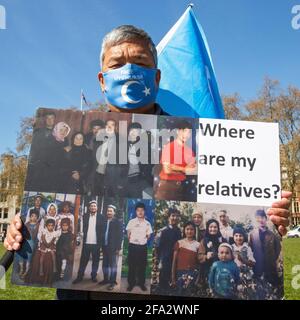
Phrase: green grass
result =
(291, 258)
(291, 251)
(13, 292)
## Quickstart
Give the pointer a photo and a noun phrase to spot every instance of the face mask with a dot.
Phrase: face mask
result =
(130, 86)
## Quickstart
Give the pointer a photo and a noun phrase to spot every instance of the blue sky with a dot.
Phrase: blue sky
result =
(50, 48)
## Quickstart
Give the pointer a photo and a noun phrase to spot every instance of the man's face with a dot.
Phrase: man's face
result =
(50, 120)
(173, 219)
(110, 213)
(110, 127)
(184, 134)
(96, 129)
(37, 202)
(261, 221)
(93, 208)
(223, 218)
(140, 212)
(134, 52)
(133, 134)
(197, 219)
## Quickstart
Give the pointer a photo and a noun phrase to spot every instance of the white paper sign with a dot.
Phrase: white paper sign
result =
(238, 162)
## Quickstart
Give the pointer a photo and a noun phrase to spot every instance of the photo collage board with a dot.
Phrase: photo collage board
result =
(105, 190)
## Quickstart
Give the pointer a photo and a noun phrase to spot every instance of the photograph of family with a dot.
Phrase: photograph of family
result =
(227, 252)
(92, 153)
(116, 211)
(141, 246)
(103, 154)
(47, 255)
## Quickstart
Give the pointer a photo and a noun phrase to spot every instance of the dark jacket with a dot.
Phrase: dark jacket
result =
(115, 234)
(165, 242)
(145, 168)
(99, 227)
(114, 172)
(266, 253)
(77, 159)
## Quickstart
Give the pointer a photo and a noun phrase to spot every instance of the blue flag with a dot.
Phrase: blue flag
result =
(188, 85)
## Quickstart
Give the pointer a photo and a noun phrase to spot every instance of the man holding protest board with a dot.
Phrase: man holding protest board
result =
(131, 50)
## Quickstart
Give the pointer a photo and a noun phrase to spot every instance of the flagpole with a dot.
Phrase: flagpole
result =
(81, 92)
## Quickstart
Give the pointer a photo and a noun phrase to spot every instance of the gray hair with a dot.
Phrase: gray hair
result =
(126, 33)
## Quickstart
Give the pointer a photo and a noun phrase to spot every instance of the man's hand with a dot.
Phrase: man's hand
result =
(14, 237)
(279, 212)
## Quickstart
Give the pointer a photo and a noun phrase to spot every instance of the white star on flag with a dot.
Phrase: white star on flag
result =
(147, 91)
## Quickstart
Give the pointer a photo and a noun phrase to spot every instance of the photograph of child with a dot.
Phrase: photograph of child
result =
(208, 250)
(249, 268)
(98, 255)
(64, 248)
(176, 175)
(185, 260)
(30, 232)
(38, 208)
(44, 261)
(65, 213)
(51, 213)
(224, 274)
(46, 258)
(139, 222)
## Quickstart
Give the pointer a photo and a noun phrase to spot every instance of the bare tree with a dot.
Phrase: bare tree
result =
(233, 106)
(274, 104)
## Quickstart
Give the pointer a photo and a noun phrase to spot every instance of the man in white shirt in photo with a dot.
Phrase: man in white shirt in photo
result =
(225, 229)
(139, 231)
(93, 224)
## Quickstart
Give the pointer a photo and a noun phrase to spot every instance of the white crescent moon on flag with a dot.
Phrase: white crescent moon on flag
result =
(124, 92)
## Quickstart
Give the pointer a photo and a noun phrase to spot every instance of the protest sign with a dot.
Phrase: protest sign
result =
(238, 162)
(187, 198)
